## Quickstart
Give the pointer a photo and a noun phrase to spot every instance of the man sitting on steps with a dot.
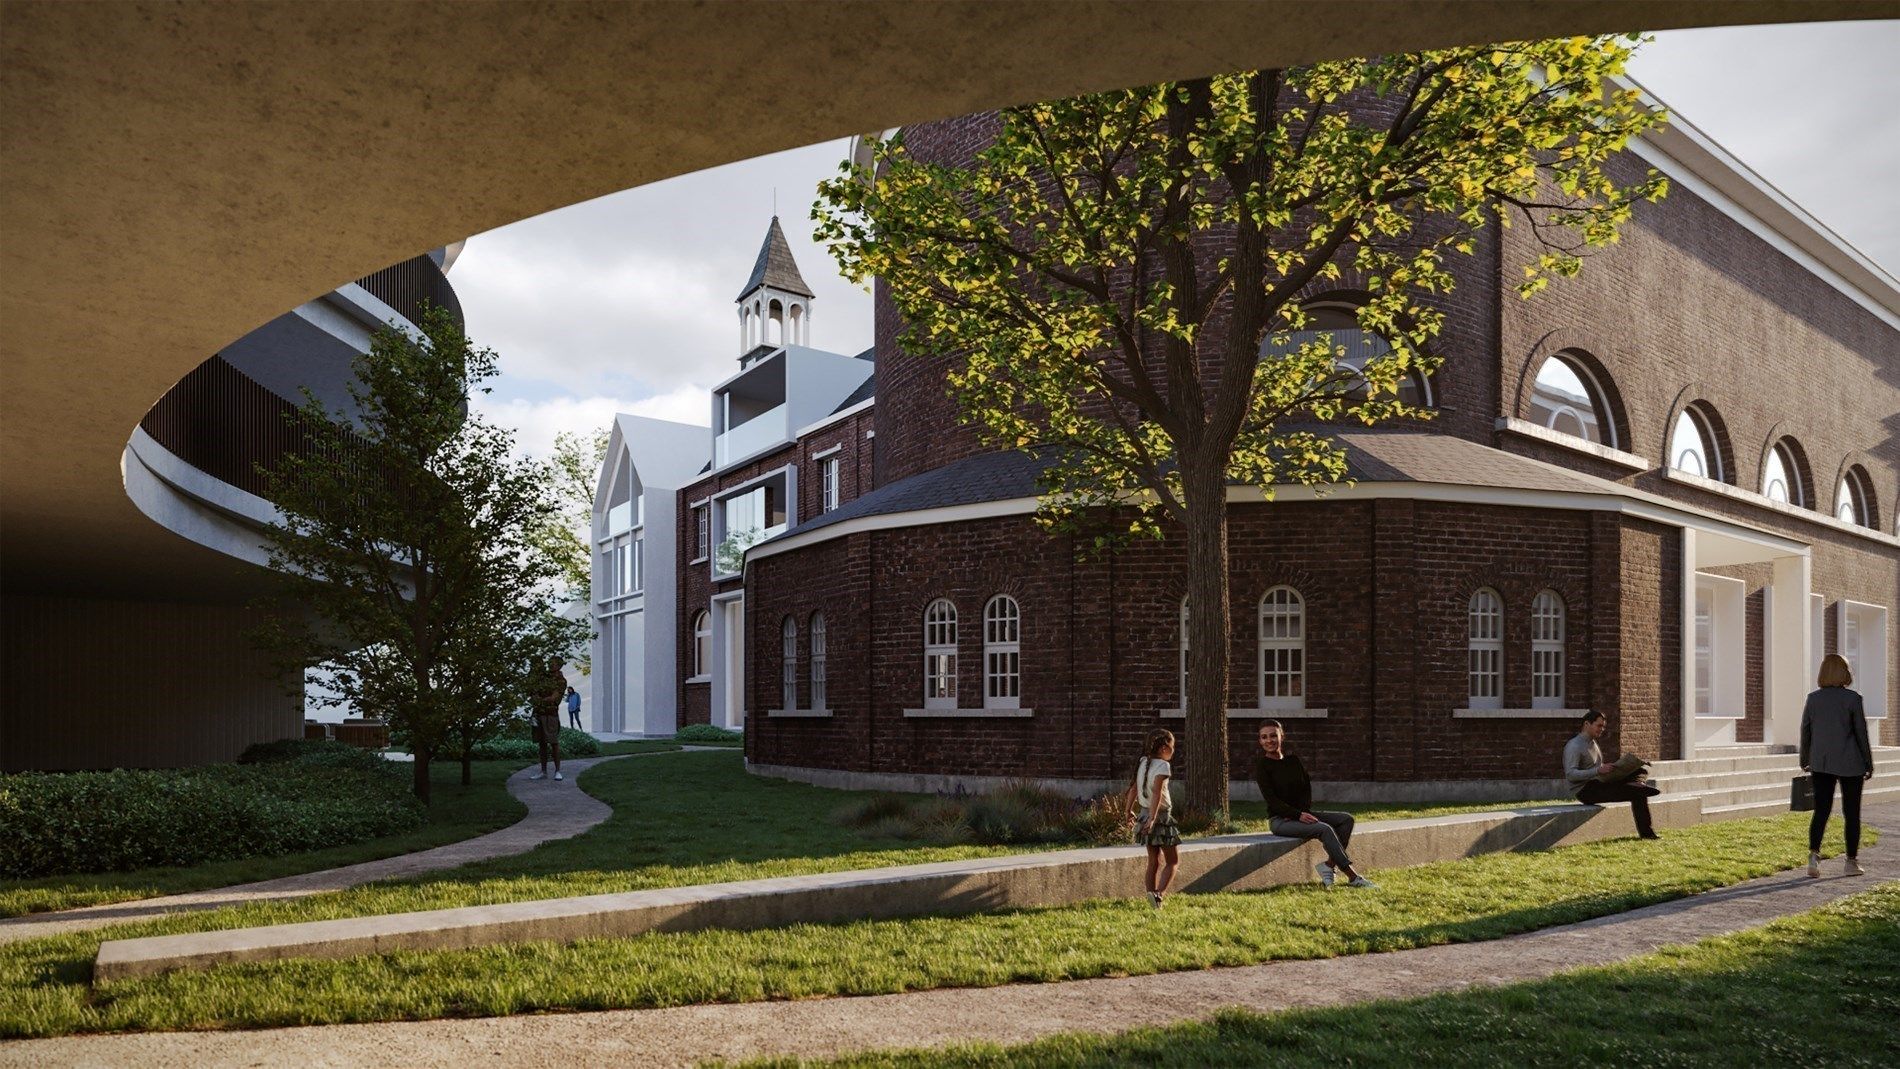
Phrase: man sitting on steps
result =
(1584, 769)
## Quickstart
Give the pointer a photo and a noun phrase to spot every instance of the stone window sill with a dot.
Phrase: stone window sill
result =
(970, 712)
(697, 679)
(1258, 714)
(1518, 714)
(1721, 716)
(798, 712)
(1527, 429)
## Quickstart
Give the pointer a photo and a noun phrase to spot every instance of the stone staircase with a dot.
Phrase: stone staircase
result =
(1753, 780)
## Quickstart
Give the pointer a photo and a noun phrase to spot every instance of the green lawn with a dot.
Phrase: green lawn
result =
(457, 813)
(43, 988)
(1820, 988)
(627, 746)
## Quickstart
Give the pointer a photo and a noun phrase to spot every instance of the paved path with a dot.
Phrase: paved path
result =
(556, 810)
(1012, 1014)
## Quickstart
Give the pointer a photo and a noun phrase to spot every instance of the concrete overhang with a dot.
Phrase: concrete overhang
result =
(174, 176)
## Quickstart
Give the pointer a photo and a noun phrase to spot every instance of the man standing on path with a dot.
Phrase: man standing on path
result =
(1584, 768)
(547, 716)
(574, 708)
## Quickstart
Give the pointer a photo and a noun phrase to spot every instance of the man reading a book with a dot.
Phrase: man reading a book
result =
(1595, 781)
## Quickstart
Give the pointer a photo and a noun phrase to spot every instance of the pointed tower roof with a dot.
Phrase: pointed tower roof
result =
(775, 267)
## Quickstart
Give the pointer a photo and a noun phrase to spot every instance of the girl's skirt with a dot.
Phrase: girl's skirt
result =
(1163, 832)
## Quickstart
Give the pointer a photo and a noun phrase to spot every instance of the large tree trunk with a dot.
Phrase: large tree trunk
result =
(421, 772)
(1205, 746)
(468, 748)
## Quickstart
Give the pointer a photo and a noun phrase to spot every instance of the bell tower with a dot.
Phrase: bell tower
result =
(775, 305)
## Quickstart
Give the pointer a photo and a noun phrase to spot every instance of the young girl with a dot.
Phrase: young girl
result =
(1154, 825)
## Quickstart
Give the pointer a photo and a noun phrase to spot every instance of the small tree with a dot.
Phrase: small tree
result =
(565, 536)
(405, 545)
(1120, 275)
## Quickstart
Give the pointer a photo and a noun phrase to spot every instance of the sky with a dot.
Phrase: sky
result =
(625, 303)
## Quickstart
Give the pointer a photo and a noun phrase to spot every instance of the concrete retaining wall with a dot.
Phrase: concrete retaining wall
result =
(1061, 877)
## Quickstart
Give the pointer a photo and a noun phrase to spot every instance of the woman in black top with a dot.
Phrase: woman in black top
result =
(1288, 792)
(1835, 750)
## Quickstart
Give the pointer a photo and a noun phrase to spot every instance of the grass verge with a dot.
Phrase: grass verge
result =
(1818, 988)
(458, 813)
(630, 746)
(43, 988)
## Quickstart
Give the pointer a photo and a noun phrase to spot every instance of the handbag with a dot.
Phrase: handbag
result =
(1801, 794)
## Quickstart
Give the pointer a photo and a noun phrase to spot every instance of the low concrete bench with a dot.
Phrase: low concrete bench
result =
(1059, 877)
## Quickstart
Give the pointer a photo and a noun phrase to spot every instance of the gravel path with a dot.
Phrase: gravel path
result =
(1013, 1014)
(556, 810)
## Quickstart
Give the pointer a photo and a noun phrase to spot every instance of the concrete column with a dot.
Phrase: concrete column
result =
(1790, 660)
(1687, 682)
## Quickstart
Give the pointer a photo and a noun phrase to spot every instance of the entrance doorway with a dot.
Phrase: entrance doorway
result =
(734, 668)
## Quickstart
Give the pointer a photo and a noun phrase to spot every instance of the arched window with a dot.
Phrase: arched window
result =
(1547, 651)
(940, 655)
(788, 670)
(1002, 653)
(1485, 650)
(1854, 498)
(1282, 649)
(702, 642)
(1781, 477)
(818, 697)
(1693, 447)
(1339, 321)
(1567, 399)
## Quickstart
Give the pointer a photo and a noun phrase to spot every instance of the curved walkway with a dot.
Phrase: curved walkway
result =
(556, 810)
(816, 1028)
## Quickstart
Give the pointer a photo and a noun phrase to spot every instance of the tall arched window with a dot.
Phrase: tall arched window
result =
(1781, 477)
(1282, 649)
(1485, 650)
(1547, 651)
(940, 655)
(1357, 346)
(1854, 498)
(818, 697)
(1693, 447)
(702, 642)
(788, 671)
(1567, 399)
(1002, 653)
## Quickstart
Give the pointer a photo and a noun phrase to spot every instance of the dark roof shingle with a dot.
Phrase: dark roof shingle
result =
(775, 267)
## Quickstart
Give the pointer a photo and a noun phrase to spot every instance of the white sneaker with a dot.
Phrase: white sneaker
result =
(1362, 882)
(1325, 875)
(557, 775)
(1814, 866)
(1852, 868)
(539, 775)
(1154, 899)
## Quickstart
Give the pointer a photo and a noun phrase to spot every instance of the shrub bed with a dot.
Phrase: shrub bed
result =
(279, 800)
(704, 733)
(515, 742)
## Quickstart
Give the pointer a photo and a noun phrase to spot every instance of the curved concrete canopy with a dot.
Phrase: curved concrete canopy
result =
(175, 176)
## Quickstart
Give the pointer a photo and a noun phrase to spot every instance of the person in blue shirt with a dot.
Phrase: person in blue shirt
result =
(574, 707)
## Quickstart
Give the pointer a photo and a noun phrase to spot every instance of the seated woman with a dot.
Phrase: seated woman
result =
(1288, 792)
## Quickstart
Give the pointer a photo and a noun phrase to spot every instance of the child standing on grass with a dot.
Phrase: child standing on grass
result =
(1154, 825)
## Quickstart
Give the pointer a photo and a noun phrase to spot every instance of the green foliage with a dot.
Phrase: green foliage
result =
(67, 822)
(323, 753)
(1119, 277)
(515, 742)
(706, 733)
(407, 554)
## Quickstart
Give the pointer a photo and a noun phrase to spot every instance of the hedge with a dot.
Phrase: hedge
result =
(302, 798)
(706, 733)
(516, 743)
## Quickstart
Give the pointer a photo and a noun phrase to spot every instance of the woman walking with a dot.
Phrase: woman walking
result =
(1834, 749)
(1154, 825)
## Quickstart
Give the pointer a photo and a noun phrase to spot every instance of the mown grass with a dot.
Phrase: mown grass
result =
(1819, 988)
(43, 988)
(455, 813)
(632, 746)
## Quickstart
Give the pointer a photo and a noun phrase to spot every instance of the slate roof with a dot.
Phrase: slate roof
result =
(1371, 456)
(865, 391)
(775, 267)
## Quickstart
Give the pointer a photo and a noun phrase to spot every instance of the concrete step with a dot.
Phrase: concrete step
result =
(1768, 809)
(1703, 764)
(1776, 793)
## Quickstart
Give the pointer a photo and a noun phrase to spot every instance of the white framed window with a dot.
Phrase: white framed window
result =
(1704, 651)
(1184, 653)
(1355, 347)
(818, 696)
(702, 642)
(1565, 398)
(1781, 477)
(940, 655)
(625, 582)
(639, 562)
(1692, 446)
(1002, 653)
(1851, 500)
(788, 669)
(1282, 649)
(1547, 651)
(828, 469)
(1484, 650)
(702, 532)
(1863, 641)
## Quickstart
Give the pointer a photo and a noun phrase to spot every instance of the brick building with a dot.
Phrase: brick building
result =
(1661, 490)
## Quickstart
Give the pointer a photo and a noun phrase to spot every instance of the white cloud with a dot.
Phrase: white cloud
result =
(536, 423)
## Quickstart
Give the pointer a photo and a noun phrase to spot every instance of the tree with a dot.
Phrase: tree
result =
(1119, 275)
(409, 568)
(565, 536)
